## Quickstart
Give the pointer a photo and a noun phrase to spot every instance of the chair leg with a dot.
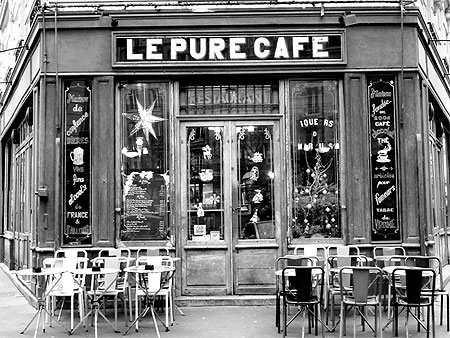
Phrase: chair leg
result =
(342, 326)
(167, 311)
(115, 313)
(72, 301)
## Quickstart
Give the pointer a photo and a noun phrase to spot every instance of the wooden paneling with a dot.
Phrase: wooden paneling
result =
(102, 160)
(410, 128)
(206, 268)
(48, 208)
(255, 267)
(356, 169)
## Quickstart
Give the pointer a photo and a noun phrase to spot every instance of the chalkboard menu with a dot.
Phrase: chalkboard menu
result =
(77, 160)
(144, 210)
(383, 160)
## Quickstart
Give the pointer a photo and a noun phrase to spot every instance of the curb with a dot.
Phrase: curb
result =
(32, 300)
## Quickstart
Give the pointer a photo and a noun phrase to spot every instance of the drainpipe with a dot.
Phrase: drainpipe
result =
(58, 154)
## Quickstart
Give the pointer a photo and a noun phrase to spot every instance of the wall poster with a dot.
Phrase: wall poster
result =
(383, 160)
(77, 162)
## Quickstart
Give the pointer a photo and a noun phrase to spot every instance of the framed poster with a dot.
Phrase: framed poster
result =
(77, 162)
(383, 160)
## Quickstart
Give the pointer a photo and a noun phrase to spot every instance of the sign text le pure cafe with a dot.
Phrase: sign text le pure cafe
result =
(307, 47)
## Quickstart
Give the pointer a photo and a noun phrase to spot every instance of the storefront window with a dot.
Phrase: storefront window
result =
(314, 111)
(144, 166)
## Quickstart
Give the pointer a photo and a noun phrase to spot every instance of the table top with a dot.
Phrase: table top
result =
(89, 271)
(44, 272)
(291, 272)
(157, 269)
(390, 269)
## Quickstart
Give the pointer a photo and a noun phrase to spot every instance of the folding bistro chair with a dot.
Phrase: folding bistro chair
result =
(435, 263)
(303, 287)
(335, 262)
(280, 264)
(366, 292)
(413, 288)
(112, 285)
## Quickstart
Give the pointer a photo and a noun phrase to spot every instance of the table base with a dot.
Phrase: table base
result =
(39, 314)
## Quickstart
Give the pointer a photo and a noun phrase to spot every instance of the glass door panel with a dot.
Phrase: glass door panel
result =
(255, 176)
(205, 182)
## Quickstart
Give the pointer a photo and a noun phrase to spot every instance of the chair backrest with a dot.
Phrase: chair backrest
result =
(113, 252)
(295, 260)
(152, 251)
(303, 284)
(432, 262)
(154, 280)
(66, 283)
(339, 261)
(73, 253)
(316, 250)
(111, 281)
(366, 282)
(338, 249)
(386, 251)
(412, 282)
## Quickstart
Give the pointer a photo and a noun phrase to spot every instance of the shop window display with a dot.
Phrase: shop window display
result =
(315, 159)
(144, 168)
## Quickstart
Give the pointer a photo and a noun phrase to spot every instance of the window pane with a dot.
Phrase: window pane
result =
(255, 177)
(144, 164)
(205, 181)
(315, 154)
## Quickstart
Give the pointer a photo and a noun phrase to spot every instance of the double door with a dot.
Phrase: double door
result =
(230, 198)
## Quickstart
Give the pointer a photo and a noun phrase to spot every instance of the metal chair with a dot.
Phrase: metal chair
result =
(413, 288)
(158, 286)
(383, 254)
(112, 285)
(66, 287)
(303, 287)
(124, 253)
(435, 263)
(280, 264)
(335, 262)
(366, 286)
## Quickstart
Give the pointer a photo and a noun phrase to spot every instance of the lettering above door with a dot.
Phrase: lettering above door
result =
(303, 48)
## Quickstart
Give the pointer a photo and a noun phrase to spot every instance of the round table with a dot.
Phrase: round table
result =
(95, 308)
(139, 272)
(47, 273)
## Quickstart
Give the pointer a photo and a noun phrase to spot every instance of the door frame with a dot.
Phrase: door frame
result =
(233, 252)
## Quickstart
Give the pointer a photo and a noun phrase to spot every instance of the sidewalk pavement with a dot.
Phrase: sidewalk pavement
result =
(197, 322)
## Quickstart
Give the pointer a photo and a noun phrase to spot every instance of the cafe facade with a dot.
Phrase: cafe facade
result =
(226, 133)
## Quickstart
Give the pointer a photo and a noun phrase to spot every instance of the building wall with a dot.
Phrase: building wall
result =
(372, 47)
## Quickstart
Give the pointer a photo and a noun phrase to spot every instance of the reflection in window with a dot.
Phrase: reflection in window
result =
(205, 196)
(315, 155)
(144, 165)
(255, 176)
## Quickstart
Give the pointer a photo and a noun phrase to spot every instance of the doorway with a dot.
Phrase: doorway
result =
(230, 189)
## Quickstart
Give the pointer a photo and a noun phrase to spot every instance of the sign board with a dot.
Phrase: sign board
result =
(383, 160)
(77, 161)
(151, 50)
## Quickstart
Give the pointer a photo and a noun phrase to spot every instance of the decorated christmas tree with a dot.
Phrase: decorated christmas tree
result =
(316, 210)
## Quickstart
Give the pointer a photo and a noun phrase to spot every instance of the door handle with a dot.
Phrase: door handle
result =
(234, 209)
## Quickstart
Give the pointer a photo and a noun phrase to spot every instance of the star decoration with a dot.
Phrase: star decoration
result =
(144, 120)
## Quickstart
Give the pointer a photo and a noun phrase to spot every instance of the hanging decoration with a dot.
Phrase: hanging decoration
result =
(316, 202)
(207, 155)
(214, 199)
(255, 218)
(200, 211)
(144, 120)
(206, 175)
(257, 157)
(258, 197)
